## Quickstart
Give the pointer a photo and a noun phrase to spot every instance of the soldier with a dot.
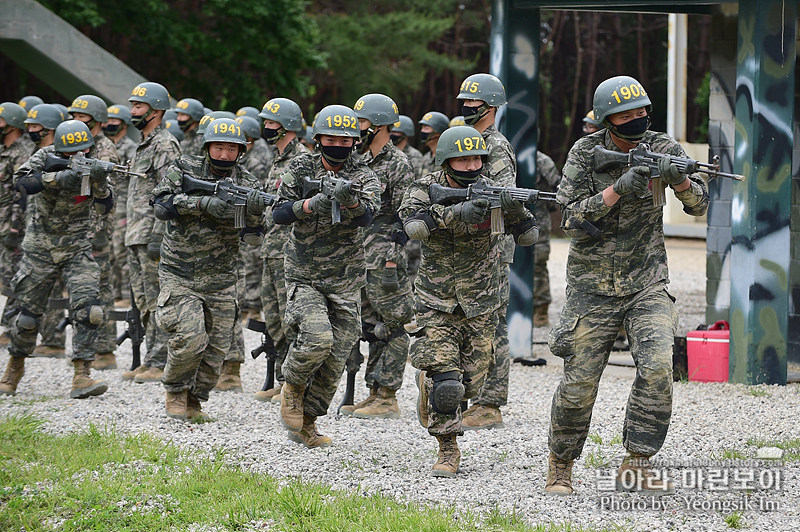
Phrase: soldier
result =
(325, 269)
(119, 118)
(386, 299)
(431, 126)
(458, 287)
(41, 123)
(93, 111)
(198, 267)
(189, 112)
(15, 148)
(143, 232)
(620, 276)
(481, 95)
(29, 102)
(248, 110)
(283, 120)
(58, 242)
(457, 121)
(547, 180)
(174, 129)
(590, 124)
(402, 131)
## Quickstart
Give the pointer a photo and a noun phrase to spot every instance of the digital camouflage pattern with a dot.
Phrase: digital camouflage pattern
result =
(416, 159)
(428, 164)
(258, 160)
(547, 180)
(192, 143)
(120, 276)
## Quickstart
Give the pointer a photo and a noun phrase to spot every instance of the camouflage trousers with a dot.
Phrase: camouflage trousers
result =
(198, 325)
(33, 284)
(387, 359)
(414, 252)
(48, 328)
(106, 341)
(495, 389)
(236, 351)
(273, 306)
(583, 338)
(454, 342)
(325, 326)
(253, 267)
(145, 290)
(120, 271)
(541, 277)
(9, 264)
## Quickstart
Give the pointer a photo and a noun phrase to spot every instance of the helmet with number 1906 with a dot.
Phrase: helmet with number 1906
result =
(153, 94)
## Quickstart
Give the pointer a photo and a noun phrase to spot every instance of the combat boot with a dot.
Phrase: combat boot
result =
(268, 395)
(292, 406)
(384, 406)
(559, 476)
(14, 372)
(308, 434)
(482, 417)
(176, 404)
(540, 318)
(48, 351)
(151, 374)
(131, 374)
(636, 474)
(422, 399)
(104, 361)
(194, 412)
(83, 385)
(229, 379)
(347, 410)
(449, 457)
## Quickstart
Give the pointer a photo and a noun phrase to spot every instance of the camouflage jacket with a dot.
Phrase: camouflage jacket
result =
(331, 257)
(427, 165)
(192, 143)
(153, 156)
(396, 175)
(11, 158)
(197, 246)
(416, 159)
(547, 180)
(277, 235)
(501, 166)
(106, 151)
(629, 255)
(460, 263)
(126, 148)
(258, 160)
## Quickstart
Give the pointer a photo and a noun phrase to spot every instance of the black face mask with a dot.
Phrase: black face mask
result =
(3, 133)
(633, 130)
(465, 177)
(396, 139)
(184, 124)
(111, 129)
(473, 114)
(36, 136)
(221, 167)
(335, 155)
(367, 136)
(140, 121)
(271, 135)
(424, 136)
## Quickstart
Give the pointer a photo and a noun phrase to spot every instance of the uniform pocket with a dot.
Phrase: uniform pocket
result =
(166, 312)
(561, 339)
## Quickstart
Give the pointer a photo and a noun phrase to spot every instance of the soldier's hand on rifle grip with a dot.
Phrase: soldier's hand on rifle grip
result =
(154, 247)
(343, 195)
(670, 174)
(511, 206)
(255, 203)
(216, 207)
(320, 204)
(97, 175)
(68, 179)
(473, 211)
(634, 180)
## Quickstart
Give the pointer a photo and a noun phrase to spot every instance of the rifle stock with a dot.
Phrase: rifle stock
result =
(134, 330)
(268, 347)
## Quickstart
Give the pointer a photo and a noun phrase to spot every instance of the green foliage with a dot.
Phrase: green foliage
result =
(701, 99)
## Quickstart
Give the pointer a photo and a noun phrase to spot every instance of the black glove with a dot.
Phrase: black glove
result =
(389, 280)
(154, 247)
(320, 204)
(670, 174)
(12, 239)
(472, 211)
(216, 207)
(511, 206)
(343, 195)
(255, 203)
(98, 174)
(634, 180)
(69, 179)
(399, 237)
(100, 240)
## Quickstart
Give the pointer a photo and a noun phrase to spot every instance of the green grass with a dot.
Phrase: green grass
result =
(729, 454)
(758, 392)
(790, 446)
(99, 479)
(735, 520)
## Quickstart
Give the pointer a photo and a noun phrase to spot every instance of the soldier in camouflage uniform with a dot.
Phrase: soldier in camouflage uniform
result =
(386, 300)
(283, 120)
(198, 268)
(119, 118)
(620, 276)
(432, 125)
(58, 242)
(547, 180)
(325, 269)
(189, 112)
(143, 232)
(174, 129)
(15, 148)
(458, 287)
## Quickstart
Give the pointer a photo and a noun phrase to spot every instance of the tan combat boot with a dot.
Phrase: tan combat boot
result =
(308, 434)
(422, 399)
(292, 406)
(449, 457)
(104, 361)
(229, 379)
(482, 417)
(636, 474)
(540, 318)
(194, 411)
(176, 404)
(83, 385)
(347, 410)
(151, 374)
(384, 406)
(131, 374)
(559, 476)
(14, 372)
(48, 351)
(268, 395)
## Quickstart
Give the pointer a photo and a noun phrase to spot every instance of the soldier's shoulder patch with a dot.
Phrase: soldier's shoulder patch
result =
(287, 178)
(174, 176)
(499, 165)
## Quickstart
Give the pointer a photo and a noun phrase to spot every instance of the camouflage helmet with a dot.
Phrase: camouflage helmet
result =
(438, 121)
(617, 94)
(285, 112)
(379, 109)
(338, 121)
(46, 115)
(248, 110)
(457, 121)
(173, 127)
(153, 94)
(484, 87)
(224, 130)
(250, 126)
(459, 141)
(72, 136)
(589, 119)
(14, 114)
(210, 117)
(191, 107)
(404, 125)
(29, 102)
(121, 111)
(91, 105)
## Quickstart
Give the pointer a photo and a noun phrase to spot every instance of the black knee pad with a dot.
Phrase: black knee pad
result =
(27, 321)
(447, 392)
(90, 314)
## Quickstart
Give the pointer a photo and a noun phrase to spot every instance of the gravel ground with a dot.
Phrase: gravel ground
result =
(503, 468)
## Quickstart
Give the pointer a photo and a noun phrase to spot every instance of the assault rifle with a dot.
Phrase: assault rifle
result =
(326, 185)
(233, 194)
(354, 362)
(480, 189)
(84, 166)
(134, 330)
(604, 160)
(268, 347)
